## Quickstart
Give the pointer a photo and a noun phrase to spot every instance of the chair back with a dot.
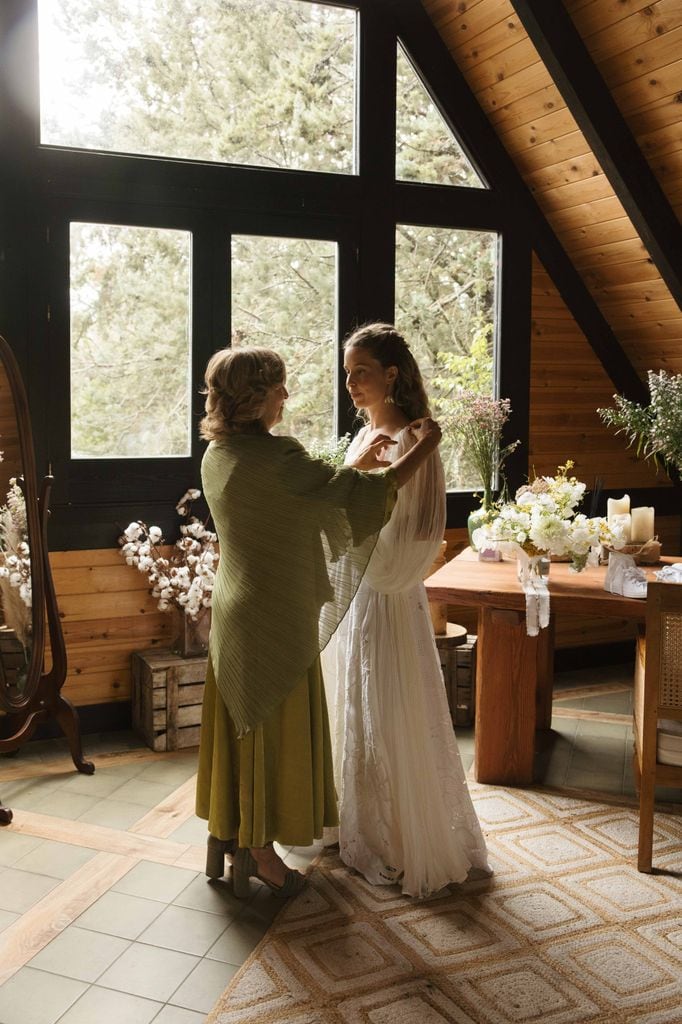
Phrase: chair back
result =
(658, 675)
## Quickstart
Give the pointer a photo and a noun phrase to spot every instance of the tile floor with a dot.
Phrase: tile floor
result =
(105, 913)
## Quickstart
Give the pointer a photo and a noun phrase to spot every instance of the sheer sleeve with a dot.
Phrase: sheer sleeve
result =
(295, 538)
(410, 541)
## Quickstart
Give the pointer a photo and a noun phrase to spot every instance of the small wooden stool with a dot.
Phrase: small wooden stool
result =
(457, 654)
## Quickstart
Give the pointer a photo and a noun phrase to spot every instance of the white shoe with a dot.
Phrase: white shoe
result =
(634, 583)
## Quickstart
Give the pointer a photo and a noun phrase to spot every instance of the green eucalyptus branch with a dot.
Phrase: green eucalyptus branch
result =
(655, 430)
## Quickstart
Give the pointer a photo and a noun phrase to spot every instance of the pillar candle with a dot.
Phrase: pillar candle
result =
(642, 524)
(617, 506)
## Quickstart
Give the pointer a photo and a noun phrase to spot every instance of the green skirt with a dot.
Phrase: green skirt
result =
(276, 783)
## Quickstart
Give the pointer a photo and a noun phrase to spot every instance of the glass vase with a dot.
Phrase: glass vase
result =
(476, 518)
(190, 636)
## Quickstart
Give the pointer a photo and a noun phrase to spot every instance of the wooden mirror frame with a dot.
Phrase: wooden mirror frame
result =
(41, 698)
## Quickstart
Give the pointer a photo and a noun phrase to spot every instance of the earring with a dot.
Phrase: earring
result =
(389, 400)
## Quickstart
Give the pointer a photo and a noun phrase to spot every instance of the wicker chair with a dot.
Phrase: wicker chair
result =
(657, 697)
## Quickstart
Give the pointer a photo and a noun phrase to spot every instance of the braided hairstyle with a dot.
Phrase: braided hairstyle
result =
(237, 384)
(385, 344)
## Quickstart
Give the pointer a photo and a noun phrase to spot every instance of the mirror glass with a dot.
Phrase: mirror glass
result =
(16, 616)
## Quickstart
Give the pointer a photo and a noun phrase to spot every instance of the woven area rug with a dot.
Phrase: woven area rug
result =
(567, 930)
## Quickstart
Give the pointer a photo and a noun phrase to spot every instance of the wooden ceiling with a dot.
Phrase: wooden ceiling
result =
(637, 48)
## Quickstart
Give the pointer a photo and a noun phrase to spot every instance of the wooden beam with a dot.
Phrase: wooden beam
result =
(596, 113)
(458, 105)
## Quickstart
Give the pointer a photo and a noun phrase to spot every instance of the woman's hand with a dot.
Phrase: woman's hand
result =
(369, 457)
(426, 430)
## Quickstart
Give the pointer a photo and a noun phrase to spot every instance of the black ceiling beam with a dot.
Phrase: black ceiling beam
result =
(458, 105)
(596, 113)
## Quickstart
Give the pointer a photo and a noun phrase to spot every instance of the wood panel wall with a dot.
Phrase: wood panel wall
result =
(107, 613)
(637, 47)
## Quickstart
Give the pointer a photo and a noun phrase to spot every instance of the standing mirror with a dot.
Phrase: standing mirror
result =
(28, 694)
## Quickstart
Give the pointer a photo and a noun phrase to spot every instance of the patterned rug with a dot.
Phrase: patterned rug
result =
(567, 930)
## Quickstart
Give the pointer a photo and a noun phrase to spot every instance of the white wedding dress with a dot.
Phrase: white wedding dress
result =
(405, 810)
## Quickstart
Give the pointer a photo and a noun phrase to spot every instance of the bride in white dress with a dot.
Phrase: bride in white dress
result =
(405, 810)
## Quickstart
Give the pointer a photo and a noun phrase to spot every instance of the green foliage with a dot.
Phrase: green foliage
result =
(426, 149)
(656, 429)
(129, 341)
(445, 305)
(283, 297)
(265, 82)
(268, 83)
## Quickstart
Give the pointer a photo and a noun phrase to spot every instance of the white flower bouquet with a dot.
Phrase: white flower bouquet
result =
(543, 520)
(183, 580)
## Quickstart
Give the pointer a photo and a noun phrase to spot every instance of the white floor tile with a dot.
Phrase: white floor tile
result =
(205, 984)
(14, 846)
(80, 954)
(149, 971)
(57, 860)
(115, 913)
(155, 881)
(178, 1015)
(104, 1006)
(189, 931)
(35, 997)
(20, 890)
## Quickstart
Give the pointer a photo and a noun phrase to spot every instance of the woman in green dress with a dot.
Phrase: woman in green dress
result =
(295, 537)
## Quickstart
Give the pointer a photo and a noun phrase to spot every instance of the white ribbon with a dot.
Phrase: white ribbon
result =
(537, 594)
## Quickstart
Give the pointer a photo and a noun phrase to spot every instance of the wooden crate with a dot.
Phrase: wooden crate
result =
(459, 673)
(167, 692)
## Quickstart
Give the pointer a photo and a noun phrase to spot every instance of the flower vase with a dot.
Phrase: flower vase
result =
(476, 519)
(190, 636)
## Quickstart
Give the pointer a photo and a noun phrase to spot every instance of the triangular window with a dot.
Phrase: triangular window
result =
(426, 149)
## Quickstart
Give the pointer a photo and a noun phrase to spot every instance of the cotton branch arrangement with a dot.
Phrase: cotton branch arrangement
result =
(183, 580)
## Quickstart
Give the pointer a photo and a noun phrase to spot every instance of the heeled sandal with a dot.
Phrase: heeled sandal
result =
(244, 867)
(217, 850)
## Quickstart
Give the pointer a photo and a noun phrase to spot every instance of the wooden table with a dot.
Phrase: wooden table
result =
(514, 672)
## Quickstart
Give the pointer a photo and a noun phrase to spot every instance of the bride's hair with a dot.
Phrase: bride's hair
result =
(237, 384)
(385, 344)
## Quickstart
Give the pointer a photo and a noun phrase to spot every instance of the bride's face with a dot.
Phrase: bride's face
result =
(367, 381)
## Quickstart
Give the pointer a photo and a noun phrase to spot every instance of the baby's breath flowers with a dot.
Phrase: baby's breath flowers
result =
(332, 451)
(185, 579)
(477, 422)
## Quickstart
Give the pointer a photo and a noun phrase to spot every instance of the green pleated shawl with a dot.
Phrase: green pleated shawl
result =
(295, 537)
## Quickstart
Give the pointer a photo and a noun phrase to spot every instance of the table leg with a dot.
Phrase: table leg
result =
(545, 677)
(512, 686)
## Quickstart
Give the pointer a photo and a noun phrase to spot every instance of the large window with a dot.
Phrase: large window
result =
(265, 82)
(426, 150)
(130, 342)
(187, 175)
(446, 305)
(284, 298)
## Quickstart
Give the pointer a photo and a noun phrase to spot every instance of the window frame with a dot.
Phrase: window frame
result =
(50, 186)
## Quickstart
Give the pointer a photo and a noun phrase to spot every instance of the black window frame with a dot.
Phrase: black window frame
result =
(45, 187)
